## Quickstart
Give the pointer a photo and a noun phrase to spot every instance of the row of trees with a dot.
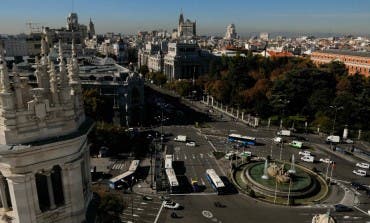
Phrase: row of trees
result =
(290, 87)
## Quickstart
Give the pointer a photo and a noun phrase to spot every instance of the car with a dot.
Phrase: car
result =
(278, 139)
(147, 198)
(190, 144)
(195, 185)
(305, 153)
(363, 165)
(171, 205)
(309, 159)
(245, 154)
(359, 186)
(359, 172)
(230, 155)
(326, 160)
(342, 208)
(348, 141)
(165, 198)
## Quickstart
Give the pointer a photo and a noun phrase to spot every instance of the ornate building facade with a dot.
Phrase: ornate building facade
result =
(355, 62)
(44, 154)
(186, 29)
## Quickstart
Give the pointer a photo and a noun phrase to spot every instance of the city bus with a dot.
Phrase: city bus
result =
(168, 162)
(172, 180)
(124, 177)
(244, 140)
(215, 181)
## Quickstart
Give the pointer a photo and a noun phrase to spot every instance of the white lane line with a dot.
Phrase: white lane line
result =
(360, 210)
(159, 212)
(193, 156)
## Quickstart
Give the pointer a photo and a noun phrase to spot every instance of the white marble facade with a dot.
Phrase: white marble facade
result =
(44, 154)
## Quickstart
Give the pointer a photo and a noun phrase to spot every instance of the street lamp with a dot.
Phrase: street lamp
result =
(336, 108)
(132, 199)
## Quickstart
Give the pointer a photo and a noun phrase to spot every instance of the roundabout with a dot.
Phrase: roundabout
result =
(280, 182)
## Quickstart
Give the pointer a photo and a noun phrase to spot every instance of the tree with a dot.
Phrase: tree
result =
(110, 208)
(144, 70)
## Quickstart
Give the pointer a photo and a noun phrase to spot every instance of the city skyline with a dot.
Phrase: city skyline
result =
(128, 17)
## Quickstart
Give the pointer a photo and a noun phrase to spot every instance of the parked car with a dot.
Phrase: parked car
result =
(359, 172)
(309, 159)
(326, 160)
(171, 205)
(341, 208)
(191, 143)
(305, 153)
(359, 186)
(245, 154)
(363, 165)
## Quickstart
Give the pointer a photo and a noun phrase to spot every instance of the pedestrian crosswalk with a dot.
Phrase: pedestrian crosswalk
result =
(118, 166)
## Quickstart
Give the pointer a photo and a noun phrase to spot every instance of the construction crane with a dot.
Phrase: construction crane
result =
(34, 27)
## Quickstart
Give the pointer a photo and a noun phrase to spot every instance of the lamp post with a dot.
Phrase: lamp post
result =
(336, 108)
(132, 199)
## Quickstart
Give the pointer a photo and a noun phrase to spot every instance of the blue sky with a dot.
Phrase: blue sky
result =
(212, 16)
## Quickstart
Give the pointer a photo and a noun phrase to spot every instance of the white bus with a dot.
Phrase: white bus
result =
(215, 181)
(115, 181)
(134, 165)
(172, 180)
(168, 162)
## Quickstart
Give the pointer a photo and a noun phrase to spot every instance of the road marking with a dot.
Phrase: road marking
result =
(159, 212)
(201, 155)
(357, 208)
(195, 194)
(207, 214)
(143, 203)
(193, 156)
(185, 157)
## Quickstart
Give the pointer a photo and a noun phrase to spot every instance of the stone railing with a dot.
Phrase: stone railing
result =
(237, 114)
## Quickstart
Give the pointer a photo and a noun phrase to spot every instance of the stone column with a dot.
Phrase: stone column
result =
(75, 189)
(226, 109)
(50, 190)
(237, 113)
(212, 101)
(4, 199)
(232, 111)
(243, 116)
(22, 198)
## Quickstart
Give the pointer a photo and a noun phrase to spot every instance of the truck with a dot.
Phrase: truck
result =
(180, 138)
(284, 133)
(333, 139)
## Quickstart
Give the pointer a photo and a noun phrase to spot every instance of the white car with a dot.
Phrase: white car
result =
(309, 159)
(326, 160)
(171, 205)
(277, 139)
(359, 172)
(305, 153)
(190, 144)
(363, 165)
(348, 141)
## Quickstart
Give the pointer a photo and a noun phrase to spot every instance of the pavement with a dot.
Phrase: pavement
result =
(191, 163)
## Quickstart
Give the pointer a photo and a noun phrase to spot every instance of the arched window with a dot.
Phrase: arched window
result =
(56, 179)
(42, 191)
(6, 202)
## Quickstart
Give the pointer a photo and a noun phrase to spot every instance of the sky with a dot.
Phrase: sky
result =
(212, 16)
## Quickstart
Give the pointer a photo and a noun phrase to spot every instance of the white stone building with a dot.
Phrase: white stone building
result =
(44, 153)
(185, 60)
(230, 32)
(186, 29)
